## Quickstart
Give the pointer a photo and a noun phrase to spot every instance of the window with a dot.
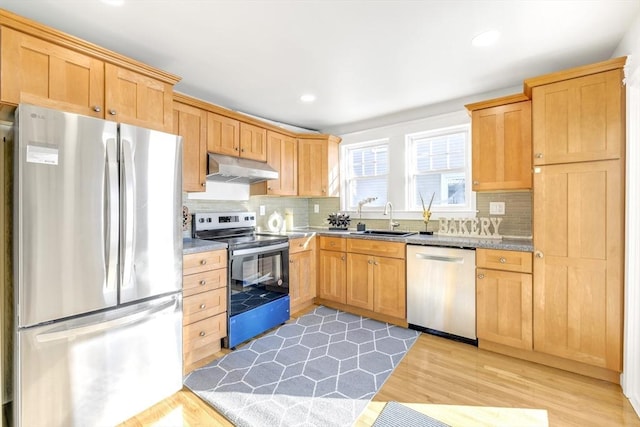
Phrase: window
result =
(367, 172)
(437, 165)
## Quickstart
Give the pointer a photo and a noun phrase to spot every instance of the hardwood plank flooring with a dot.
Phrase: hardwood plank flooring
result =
(461, 385)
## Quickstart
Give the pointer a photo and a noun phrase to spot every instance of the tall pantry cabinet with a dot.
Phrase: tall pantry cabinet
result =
(578, 218)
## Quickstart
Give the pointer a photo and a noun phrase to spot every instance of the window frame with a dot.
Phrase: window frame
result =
(469, 207)
(346, 167)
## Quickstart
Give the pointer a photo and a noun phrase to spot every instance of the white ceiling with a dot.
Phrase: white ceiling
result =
(362, 59)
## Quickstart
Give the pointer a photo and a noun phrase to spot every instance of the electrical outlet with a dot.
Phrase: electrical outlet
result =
(316, 208)
(262, 210)
(496, 208)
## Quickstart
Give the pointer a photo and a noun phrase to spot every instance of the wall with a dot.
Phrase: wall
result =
(630, 379)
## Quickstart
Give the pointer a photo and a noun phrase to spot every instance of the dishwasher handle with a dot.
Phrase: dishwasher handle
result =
(455, 260)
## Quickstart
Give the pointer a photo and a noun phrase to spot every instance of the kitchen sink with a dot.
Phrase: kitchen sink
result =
(385, 233)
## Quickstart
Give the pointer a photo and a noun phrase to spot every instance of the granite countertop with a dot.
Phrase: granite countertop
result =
(192, 246)
(512, 244)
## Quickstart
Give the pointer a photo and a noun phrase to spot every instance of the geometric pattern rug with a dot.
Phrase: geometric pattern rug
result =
(321, 370)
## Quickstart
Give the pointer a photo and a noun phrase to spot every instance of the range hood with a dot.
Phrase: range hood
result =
(223, 168)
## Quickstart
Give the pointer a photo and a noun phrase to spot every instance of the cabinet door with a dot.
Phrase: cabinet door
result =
(390, 287)
(332, 276)
(302, 284)
(223, 135)
(318, 167)
(42, 73)
(577, 270)
(360, 281)
(137, 99)
(253, 142)
(282, 155)
(505, 308)
(191, 123)
(579, 119)
(501, 147)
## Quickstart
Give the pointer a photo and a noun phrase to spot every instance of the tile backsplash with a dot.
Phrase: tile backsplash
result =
(516, 221)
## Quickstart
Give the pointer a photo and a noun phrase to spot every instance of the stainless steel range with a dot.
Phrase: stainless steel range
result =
(258, 273)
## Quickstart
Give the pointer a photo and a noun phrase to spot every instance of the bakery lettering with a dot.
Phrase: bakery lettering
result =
(470, 227)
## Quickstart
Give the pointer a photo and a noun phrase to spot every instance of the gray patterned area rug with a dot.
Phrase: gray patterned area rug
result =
(321, 370)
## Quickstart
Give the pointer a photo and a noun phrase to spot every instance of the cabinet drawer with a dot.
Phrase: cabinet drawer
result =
(504, 260)
(376, 248)
(206, 304)
(203, 261)
(202, 282)
(302, 244)
(333, 243)
(202, 338)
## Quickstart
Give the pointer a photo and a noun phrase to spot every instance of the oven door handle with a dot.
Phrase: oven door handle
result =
(260, 249)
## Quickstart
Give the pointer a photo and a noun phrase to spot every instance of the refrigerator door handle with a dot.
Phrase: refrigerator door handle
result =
(101, 326)
(111, 206)
(129, 212)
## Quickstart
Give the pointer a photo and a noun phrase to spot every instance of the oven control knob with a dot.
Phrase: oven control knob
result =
(201, 220)
(208, 219)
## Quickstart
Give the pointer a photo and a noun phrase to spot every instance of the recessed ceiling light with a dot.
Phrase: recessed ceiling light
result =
(308, 97)
(486, 38)
(113, 2)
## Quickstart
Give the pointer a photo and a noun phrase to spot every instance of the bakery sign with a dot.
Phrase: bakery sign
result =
(470, 227)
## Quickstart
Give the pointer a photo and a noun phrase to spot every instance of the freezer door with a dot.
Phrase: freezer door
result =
(101, 369)
(66, 183)
(151, 213)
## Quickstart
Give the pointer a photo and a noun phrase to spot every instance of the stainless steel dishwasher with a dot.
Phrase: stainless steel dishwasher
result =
(441, 291)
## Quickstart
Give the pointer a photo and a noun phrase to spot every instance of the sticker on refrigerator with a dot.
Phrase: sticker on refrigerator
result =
(40, 154)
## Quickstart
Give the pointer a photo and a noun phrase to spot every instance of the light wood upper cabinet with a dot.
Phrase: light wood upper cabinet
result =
(191, 123)
(501, 147)
(580, 119)
(223, 135)
(504, 298)
(138, 99)
(43, 73)
(282, 155)
(318, 167)
(253, 142)
(578, 276)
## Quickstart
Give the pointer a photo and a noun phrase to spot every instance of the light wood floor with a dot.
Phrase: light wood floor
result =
(486, 389)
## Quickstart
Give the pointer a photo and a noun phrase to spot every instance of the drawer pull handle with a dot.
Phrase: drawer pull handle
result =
(203, 282)
(203, 262)
(502, 260)
(202, 333)
(203, 306)
(480, 276)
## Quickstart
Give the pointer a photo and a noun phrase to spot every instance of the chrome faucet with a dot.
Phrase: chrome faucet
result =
(388, 209)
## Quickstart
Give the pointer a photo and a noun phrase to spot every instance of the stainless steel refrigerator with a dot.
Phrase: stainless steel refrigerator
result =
(97, 269)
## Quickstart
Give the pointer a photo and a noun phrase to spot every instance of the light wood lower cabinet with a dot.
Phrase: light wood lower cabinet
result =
(504, 298)
(204, 306)
(364, 276)
(332, 269)
(302, 272)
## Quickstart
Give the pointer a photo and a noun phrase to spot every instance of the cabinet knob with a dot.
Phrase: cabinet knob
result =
(342, 258)
(269, 188)
(112, 112)
(375, 262)
(539, 254)
(480, 276)
(538, 155)
(202, 306)
(202, 333)
(203, 282)
(242, 151)
(290, 261)
(97, 109)
(332, 243)
(236, 148)
(502, 260)
(203, 184)
(203, 262)
(476, 182)
(370, 262)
